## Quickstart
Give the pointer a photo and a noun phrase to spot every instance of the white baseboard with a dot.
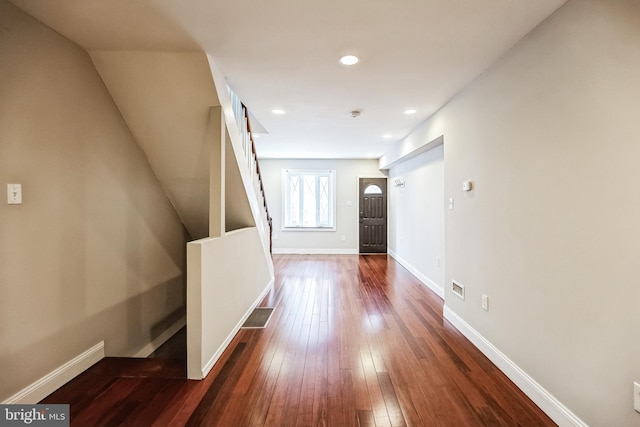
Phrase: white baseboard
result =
(439, 290)
(559, 413)
(212, 361)
(315, 251)
(55, 379)
(161, 339)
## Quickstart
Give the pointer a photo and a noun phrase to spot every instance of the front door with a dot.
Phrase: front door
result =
(373, 215)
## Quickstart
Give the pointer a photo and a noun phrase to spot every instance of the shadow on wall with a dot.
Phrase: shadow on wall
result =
(122, 333)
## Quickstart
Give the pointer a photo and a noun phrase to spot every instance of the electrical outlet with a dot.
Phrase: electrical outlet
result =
(343, 238)
(636, 396)
(275, 237)
(485, 302)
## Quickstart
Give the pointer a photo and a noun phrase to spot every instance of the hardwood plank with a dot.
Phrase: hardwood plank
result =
(307, 388)
(108, 402)
(319, 414)
(132, 411)
(365, 418)
(349, 412)
(391, 400)
(199, 414)
(373, 387)
(287, 392)
(354, 341)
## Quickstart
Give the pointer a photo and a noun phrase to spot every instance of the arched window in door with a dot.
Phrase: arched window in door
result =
(372, 189)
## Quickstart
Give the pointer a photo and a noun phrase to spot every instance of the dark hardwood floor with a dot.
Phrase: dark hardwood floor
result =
(354, 340)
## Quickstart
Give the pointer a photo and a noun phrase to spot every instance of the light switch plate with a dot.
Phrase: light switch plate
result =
(14, 194)
(636, 396)
(485, 302)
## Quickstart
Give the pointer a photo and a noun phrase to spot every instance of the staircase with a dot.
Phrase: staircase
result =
(241, 113)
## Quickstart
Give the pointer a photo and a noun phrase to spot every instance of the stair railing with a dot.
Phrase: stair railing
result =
(241, 113)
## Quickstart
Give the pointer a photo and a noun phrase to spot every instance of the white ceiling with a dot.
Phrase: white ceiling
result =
(284, 53)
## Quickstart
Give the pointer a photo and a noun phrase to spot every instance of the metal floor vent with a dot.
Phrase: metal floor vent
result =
(259, 318)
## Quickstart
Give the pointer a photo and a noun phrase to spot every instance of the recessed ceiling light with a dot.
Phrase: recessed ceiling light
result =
(278, 111)
(410, 111)
(387, 135)
(349, 60)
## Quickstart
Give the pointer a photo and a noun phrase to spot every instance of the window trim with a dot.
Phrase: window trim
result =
(332, 198)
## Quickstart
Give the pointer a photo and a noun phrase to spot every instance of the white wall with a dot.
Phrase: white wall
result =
(416, 217)
(221, 293)
(347, 173)
(549, 135)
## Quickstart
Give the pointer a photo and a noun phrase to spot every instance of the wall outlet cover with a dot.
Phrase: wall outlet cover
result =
(14, 194)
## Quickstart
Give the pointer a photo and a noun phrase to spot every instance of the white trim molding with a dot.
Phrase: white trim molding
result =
(559, 413)
(162, 338)
(55, 379)
(439, 290)
(315, 251)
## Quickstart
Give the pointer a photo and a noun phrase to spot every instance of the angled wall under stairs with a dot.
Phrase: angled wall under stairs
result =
(179, 109)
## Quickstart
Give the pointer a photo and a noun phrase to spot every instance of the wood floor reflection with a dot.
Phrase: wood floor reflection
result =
(354, 341)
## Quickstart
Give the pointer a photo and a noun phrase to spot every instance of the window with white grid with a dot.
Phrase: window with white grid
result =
(309, 199)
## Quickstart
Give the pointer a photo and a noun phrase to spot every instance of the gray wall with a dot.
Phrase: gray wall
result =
(550, 136)
(347, 173)
(416, 216)
(95, 252)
